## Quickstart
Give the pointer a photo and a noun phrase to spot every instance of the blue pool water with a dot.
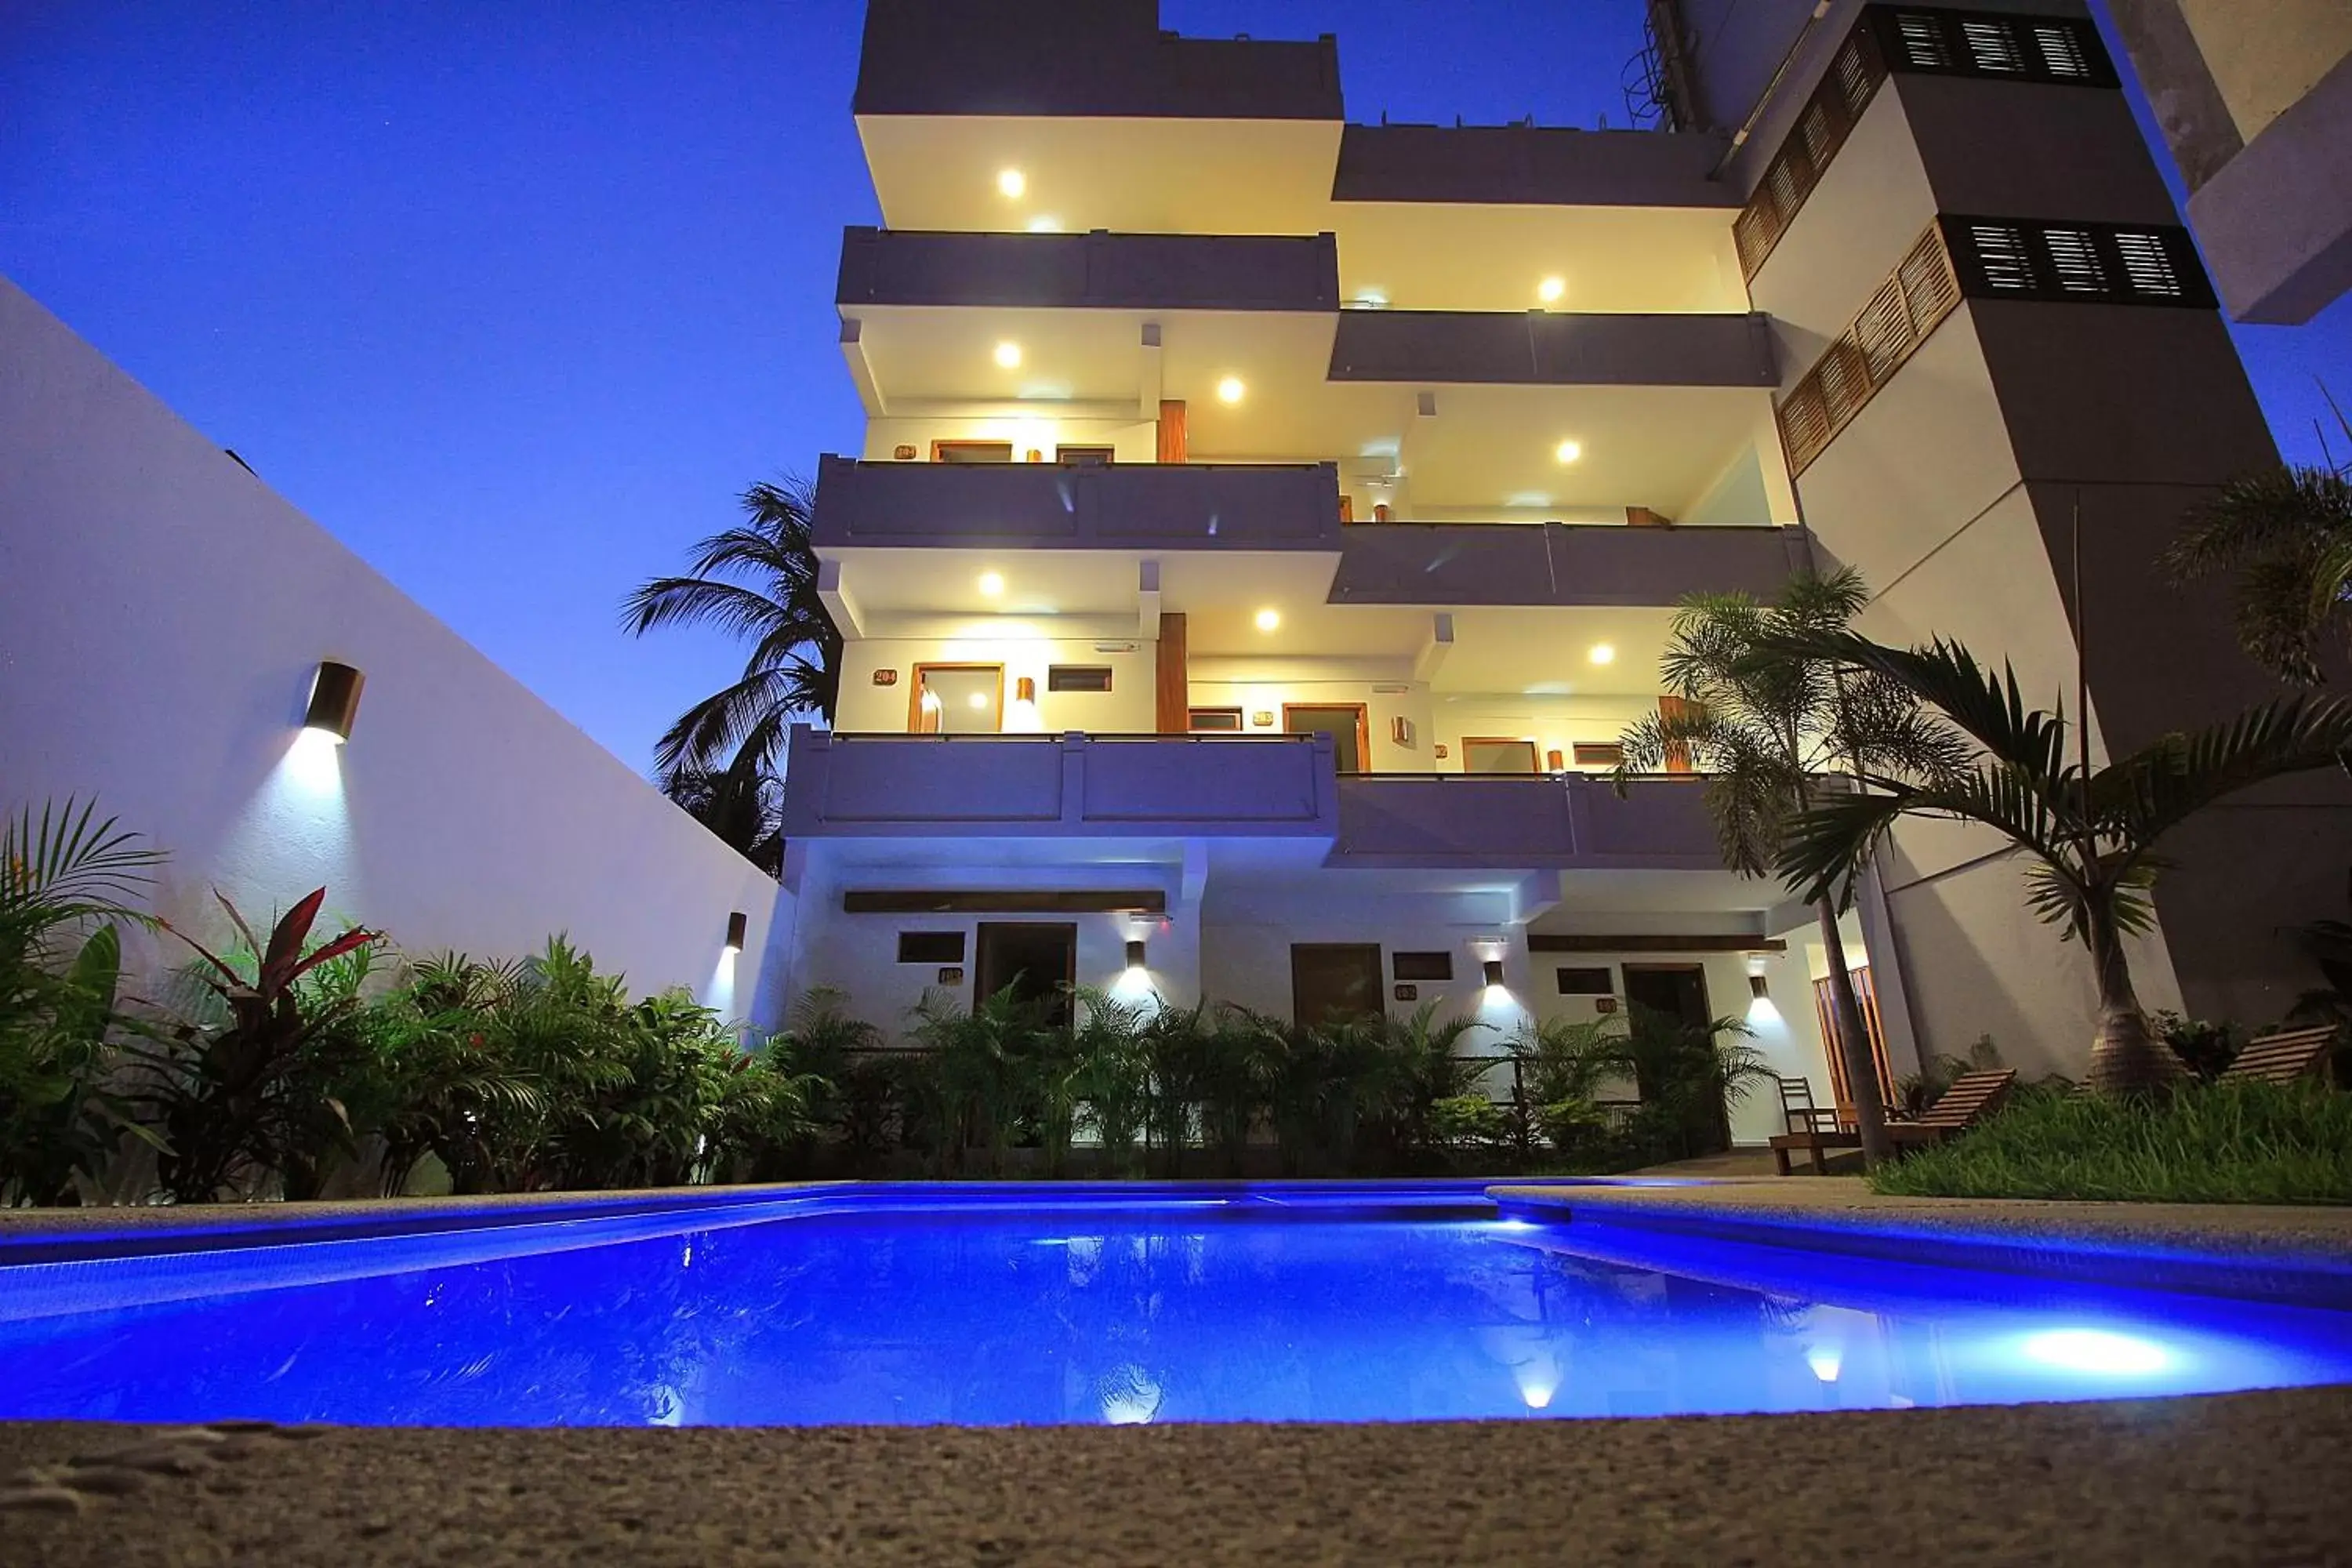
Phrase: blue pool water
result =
(989, 1307)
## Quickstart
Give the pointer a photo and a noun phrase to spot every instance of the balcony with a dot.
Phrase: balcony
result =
(850, 786)
(1541, 348)
(1538, 821)
(1530, 166)
(1472, 563)
(1121, 506)
(1090, 271)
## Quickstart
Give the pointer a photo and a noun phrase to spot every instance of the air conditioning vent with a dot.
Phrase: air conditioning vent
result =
(2074, 259)
(2002, 258)
(2148, 267)
(1923, 41)
(1992, 47)
(2061, 50)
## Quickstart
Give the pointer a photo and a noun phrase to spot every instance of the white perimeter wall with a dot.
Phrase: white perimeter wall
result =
(162, 612)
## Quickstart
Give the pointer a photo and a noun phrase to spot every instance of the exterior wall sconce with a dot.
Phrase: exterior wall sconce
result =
(1494, 971)
(1025, 689)
(1759, 987)
(334, 700)
(1555, 760)
(1135, 953)
(738, 927)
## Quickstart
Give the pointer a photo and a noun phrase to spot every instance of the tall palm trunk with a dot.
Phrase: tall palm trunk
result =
(1852, 1045)
(2125, 1058)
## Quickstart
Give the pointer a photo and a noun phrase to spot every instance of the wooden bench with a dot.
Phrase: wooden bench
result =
(1972, 1097)
(2283, 1058)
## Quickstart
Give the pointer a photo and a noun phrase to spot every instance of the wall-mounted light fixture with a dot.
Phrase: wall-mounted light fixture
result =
(1759, 987)
(334, 700)
(1135, 953)
(739, 925)
(1025, 689)
(1494, 971)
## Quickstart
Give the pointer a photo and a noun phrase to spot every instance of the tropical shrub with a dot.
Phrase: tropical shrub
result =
(248, 1091)
(64, 880)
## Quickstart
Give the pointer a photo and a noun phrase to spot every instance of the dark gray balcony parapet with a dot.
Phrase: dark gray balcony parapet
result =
(1554, 348)
(1467, 564)
(1090, 271)
(1530, 166)
(1118, 506)
(1568, 821)
(1104, 58)
(1069, 786)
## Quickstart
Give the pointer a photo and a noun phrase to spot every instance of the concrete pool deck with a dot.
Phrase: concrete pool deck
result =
(2248, 1477)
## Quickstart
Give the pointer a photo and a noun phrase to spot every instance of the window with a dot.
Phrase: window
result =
(1331, 980)
(930, 947)
(1086, 457)
(1422, 965)
(1213, 720)
(971, 451)
(1599, 754)
(1078, 677)
(1493, 756)
(2061, 49)
(1586, 983)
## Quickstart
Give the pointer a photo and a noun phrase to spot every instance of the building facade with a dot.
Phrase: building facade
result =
(1266, 525)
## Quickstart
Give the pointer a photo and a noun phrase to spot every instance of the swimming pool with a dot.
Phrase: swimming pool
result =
(994, 1305)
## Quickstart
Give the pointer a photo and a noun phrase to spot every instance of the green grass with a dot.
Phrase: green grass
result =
(2239, 1144)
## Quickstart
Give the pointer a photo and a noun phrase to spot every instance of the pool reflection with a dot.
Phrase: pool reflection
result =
(1134, 1315)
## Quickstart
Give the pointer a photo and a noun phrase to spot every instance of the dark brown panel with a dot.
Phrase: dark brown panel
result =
(1010, 901)
(1540, 942)
(1174, 679)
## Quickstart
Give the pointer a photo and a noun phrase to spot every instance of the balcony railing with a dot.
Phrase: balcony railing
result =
(1558, 564)
(1552, 349)
(1193, 506)
(1090, 271)
(1535, 820)
(841, 786)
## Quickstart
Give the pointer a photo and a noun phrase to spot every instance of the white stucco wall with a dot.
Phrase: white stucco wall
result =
(162, 615)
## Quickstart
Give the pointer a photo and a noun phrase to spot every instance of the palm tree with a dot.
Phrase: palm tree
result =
(2093, 833)
(2287, 532)
(741, 803)
(758, 581)
(1769, 722)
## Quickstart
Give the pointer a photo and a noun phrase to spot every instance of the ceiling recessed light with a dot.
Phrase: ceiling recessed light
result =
(1603, 653)
(992, 584)
(1013, 182)
(1550, 289)
(1044, 225)
(1230, 390)
(1567, 451)
(1009, 356)
(978, 699)
(1268, 619)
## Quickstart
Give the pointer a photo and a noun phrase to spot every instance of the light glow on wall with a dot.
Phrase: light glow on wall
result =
(992, 584)
(1603, 653)
(1044, 225)
(1268, 620)
(1551, 289)
(1231, 390)
(1012, 184)
(1008, 355)
(1568, 451)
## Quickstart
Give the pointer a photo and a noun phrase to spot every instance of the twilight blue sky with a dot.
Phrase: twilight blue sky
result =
(513, 297)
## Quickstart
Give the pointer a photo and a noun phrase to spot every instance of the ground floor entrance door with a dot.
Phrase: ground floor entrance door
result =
(1676, 994)
(1039, 959)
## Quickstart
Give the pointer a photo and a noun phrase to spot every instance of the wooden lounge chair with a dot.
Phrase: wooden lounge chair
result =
(1812, 1128)
(2283, 1058)
(1972, 1097)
